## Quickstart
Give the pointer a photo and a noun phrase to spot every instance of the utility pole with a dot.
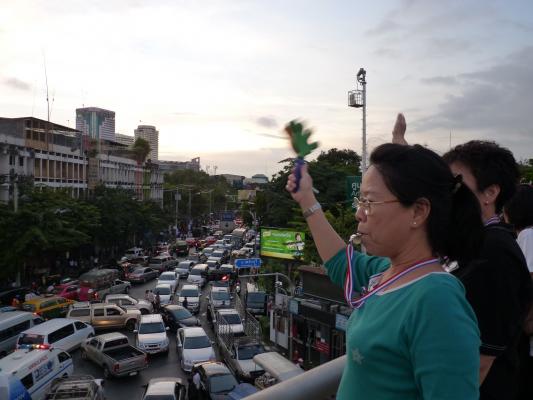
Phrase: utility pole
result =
(177, 200)
(357, 99)
(190, 214)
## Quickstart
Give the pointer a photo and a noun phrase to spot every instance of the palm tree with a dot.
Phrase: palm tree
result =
(141, 149)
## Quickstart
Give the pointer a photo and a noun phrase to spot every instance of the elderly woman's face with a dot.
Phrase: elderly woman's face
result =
(384, 226)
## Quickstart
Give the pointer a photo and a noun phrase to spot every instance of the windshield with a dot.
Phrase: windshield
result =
(217, 253)
(197, 342)
(189, 293)
(248, 352)
(159, 397)
(152, 327)
(183, 265)
(31, 307)
(167, 277)
(138, 272)
(26, 338)
(162, 291)
(256, 297)
(181, 314)
(222, 383)
(220, 295)
(232, 319)
(155, 261)
(196, 272)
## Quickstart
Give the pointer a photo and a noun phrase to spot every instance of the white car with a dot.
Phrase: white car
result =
(192, 293)
(183, 268)
(165, 293)
(231, 317)
(169, 277)
(220, 297)
(152, 334)
(127, 302)
(193, 347)
(165, 388)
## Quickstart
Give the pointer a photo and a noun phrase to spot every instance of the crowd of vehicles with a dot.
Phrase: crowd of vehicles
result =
(53, 326)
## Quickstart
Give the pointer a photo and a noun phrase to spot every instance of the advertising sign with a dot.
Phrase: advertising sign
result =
(247, 263)
(282, 243)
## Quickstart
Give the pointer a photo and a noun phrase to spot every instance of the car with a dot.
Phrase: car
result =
(193, 346)
(221, 254)
(181, 247)
(212, 263)
(242, 354)
(152, 334)
(8, 293)
(210, 240)
(126, 301)
(48, 306)
(184, 267)
(169, 388)
(206, 252)
(76, 387)
(216, 380)
(63, 283)
(176, 317)
(232, 318)
(61, 333)
(164, 290)
(220, 297)
(170, 278)
(143, 275)
(162, 262)
(192, 293)
(68, 292)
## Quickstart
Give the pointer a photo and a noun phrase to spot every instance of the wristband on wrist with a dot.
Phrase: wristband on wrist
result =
(311, 210)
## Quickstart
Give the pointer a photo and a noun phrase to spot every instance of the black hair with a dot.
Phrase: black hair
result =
(519, 209)
(490, 164)
(454, 225)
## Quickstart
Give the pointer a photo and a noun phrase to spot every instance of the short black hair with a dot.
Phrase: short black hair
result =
(519, 209)
(454, 227)
(490, 164)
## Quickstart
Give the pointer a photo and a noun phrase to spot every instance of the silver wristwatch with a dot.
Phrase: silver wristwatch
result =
(311, 210)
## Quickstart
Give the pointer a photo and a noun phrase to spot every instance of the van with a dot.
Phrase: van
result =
(11, 325)
(152, 334)
(95, 283)
(61, 333)
(198, 275)
(133, 253)
(37, 369)
(256, 300)
(162, 263)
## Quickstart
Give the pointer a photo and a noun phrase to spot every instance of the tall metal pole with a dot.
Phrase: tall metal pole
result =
(190, 214)
(274, 318)
(361, 77)
(177, 199)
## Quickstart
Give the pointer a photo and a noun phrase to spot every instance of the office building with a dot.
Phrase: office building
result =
(126, 140)
(96, 123)
(151, 135)
(171, 166)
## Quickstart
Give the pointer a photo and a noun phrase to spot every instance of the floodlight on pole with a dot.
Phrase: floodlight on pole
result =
(357, 99)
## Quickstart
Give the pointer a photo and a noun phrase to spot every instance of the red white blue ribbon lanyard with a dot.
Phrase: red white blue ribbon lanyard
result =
(493, 220)
(348, 282)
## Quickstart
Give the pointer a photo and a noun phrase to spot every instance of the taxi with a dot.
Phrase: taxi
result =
(48, 306)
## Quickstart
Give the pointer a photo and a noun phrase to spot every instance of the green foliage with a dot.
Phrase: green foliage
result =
(276, 208)
(526, 170)
(141, 149)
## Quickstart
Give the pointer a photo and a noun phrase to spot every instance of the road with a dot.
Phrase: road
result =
(161, 365)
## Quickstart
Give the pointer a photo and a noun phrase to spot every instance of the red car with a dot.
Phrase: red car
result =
(68, 292)
(192, 242)
(210, 240)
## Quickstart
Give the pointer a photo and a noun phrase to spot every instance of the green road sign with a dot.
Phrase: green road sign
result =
(353, 186)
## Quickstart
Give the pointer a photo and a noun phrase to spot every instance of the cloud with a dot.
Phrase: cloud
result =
(386, 52)
(267, 122)
(17, 84)
(384, 27)
(494, 102)
(440, 80)
(445, 47)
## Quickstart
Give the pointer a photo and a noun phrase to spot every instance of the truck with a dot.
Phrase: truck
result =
(104, 315)
(96, 283)
(234, 347)
(76, 387)
(114, 354)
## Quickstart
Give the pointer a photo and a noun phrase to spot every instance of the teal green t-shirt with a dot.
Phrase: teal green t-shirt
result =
(417, 341)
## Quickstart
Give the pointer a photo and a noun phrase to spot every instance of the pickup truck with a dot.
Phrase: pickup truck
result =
(114, 354)
(104, 315)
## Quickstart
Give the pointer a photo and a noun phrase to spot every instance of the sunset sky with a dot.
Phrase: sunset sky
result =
(219, 79)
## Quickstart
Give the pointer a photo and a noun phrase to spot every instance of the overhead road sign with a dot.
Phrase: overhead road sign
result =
(247, 263)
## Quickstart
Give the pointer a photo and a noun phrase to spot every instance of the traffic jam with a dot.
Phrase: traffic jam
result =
(178, 324)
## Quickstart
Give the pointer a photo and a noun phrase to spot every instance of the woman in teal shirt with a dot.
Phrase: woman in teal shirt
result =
(412, 334)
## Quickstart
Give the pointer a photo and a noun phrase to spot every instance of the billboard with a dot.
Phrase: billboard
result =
(282, 243)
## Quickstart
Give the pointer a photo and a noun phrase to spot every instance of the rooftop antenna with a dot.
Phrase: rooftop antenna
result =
(215, 168)
(46, 82)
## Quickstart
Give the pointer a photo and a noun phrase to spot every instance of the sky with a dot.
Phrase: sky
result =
(220, 79)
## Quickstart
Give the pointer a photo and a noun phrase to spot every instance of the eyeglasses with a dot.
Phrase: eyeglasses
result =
(366, 205)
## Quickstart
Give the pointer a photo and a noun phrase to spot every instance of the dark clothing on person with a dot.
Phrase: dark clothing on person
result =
(185, 302)
(498, 287)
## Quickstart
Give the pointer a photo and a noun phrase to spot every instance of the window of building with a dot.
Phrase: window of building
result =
(11, 160)
(21, 161)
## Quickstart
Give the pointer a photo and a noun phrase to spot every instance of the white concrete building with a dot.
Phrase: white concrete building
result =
(124, 139)
(151, 135)
(52, 155)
